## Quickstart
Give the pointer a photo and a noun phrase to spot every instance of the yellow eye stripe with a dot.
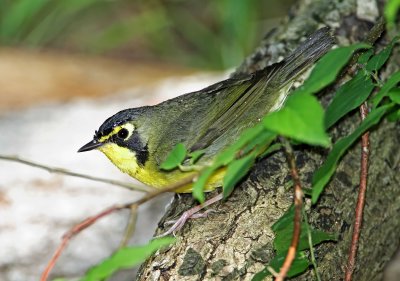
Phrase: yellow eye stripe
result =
(115, 131)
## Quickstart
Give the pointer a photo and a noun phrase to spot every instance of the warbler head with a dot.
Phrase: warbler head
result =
(122, 139)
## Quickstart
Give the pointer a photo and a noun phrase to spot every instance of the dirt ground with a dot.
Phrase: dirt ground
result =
(28, 77)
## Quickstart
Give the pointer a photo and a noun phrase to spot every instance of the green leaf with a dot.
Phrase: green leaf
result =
(273, 148)
(328, 67)
(175, 157)
(258, 143)
(199, 184)
(283, 238)
(299, 265)
(394, 116)
(301, 118)
(248, 136)
(348, 97)
(364, 57)
(236, 171)
(378, 60)
(307, 191)
(256, 136)
(391, 82)
(317, 236)
(283, 229)
(195, 155)
(323, 174)
(394, 95)
(125, 258)
(284, 220)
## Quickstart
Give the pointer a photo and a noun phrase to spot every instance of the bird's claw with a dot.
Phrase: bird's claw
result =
(179, 223)
(193, 213)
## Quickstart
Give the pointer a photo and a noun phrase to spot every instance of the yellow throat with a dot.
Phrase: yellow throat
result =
(149, 174)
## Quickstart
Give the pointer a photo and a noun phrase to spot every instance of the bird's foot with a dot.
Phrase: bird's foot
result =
(193, 216)
(192, 213)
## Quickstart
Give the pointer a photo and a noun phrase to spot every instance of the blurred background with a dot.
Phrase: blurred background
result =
(202, 34)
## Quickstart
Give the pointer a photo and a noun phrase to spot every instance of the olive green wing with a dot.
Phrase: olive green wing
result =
(238, 107)
(241, 106)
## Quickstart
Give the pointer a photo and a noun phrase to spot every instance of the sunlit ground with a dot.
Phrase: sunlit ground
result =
(49, 109)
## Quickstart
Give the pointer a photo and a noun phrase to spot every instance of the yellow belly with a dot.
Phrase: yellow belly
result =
(161, 180)
(150, 175)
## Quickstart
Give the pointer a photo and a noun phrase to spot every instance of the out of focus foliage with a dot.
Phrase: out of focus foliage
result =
(391, 10)
(210, 34)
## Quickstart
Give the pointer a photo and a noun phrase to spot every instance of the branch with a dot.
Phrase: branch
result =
(89, 221)
(78, 175)
(361, 199)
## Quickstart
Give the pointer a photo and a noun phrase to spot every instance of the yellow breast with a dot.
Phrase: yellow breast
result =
(150, 175)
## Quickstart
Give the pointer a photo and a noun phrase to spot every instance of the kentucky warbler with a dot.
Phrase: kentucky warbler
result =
(137, 140)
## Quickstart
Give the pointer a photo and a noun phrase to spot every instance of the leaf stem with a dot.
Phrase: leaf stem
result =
(310, 244)
(190, 168)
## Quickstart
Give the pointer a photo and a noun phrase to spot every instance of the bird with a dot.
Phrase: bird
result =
(138, 140)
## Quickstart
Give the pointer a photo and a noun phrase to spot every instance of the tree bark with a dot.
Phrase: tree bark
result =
(235, 242)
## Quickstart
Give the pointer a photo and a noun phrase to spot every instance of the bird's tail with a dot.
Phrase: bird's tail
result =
(317, 44)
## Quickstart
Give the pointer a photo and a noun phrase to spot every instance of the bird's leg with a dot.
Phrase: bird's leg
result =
(192, 214)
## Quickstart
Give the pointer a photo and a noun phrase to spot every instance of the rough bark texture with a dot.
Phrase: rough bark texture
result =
(235, 242)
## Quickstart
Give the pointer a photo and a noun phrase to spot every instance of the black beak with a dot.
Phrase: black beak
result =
(90, 146)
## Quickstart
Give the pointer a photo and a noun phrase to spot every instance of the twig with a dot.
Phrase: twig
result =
(298, 202)
(130, 227)
(361, 199)
(310, 245)
(73, 174)
(373, 35)
(89, 221)
(71, 233)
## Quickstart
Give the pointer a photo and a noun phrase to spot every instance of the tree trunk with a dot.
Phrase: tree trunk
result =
(235, 242)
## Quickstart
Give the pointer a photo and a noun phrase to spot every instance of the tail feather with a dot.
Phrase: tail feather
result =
(318, 44)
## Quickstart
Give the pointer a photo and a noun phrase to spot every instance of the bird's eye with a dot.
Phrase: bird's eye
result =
(123, 133)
